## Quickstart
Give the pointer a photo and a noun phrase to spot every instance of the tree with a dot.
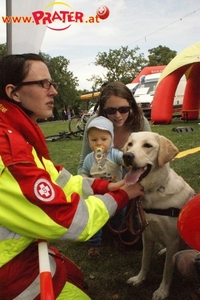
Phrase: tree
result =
(67, 93)
(97, 82)
(3, 50)
(160, 55)
(122, 65)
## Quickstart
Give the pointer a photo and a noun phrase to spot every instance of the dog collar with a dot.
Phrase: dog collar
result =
(170, 212)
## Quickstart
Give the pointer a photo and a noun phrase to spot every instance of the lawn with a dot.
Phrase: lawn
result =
(106, 276)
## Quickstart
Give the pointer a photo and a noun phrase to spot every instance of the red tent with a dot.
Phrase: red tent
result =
(186, 62)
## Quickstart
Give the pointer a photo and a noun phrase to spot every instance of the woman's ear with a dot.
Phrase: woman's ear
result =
(11, 92)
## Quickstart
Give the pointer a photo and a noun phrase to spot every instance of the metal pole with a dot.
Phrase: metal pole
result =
(9, 27)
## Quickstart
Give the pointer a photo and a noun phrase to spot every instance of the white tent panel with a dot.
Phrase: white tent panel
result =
(27, 37)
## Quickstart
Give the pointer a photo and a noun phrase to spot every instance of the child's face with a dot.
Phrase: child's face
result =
(99, 138)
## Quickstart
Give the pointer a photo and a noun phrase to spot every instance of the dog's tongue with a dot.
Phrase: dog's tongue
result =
(133, 176)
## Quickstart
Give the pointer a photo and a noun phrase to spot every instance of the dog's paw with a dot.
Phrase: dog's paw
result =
(160, 294)
(135, 281)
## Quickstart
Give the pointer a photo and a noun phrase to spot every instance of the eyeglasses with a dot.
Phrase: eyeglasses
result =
(46, 84)
(113, 110)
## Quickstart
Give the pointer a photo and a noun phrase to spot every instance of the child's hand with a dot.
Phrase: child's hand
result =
(115, 185)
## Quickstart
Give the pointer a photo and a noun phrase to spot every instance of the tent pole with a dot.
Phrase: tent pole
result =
(9, 26)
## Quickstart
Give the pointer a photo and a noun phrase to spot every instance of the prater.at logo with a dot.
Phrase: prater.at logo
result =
(59, 16)
(62, 18)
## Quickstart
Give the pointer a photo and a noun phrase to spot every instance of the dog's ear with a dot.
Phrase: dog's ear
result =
(167, 151)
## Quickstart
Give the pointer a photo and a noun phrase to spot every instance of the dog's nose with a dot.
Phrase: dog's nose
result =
(128, 158)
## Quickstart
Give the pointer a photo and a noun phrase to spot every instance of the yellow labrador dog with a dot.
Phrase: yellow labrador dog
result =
(147, 156)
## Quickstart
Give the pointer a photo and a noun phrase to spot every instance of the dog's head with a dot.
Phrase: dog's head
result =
(144, 152)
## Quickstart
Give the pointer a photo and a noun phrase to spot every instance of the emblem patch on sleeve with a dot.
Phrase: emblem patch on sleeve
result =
(43, 190)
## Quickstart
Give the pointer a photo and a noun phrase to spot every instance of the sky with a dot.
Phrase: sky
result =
(146, 24)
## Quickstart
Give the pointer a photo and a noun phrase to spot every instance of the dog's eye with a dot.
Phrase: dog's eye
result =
(130, 144)
(147, 145)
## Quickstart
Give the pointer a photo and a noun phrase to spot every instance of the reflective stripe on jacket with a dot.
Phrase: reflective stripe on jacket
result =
(39, 200)
(36, 206)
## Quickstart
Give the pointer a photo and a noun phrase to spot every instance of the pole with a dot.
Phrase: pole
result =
(46, 285)
(9, 27)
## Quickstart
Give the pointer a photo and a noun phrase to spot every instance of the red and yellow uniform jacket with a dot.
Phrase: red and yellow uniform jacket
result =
(39, 200)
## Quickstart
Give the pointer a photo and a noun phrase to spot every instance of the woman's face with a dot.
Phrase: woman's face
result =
(118, 119)
(34, 97)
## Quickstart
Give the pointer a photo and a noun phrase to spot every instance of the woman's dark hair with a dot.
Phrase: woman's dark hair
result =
(13, 69)
(135, 119)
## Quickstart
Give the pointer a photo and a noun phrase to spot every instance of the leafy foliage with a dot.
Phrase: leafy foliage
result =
(3, 50)
(160, 55)
(124, 65)
(121, 64)
(67, 93)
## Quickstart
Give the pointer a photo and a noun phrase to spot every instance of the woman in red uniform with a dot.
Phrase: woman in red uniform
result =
(39, 200)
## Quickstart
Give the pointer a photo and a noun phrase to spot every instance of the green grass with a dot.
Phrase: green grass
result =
(65, 152)
(106, 277)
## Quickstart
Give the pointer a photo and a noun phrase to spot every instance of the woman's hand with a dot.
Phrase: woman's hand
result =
(133, 190)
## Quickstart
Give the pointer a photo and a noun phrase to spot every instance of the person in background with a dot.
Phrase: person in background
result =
(71, 111)
(40, 200)
(117, 104)
(55, 114)
(68, 114)
(64, 114)
(103, 162)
